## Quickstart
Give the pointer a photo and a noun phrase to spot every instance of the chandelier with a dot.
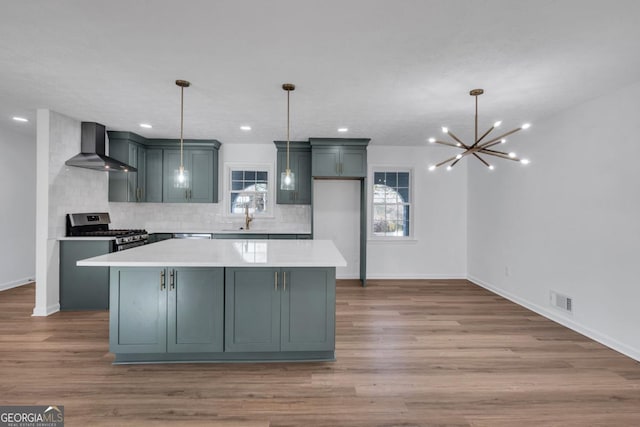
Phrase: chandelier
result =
(478, 147)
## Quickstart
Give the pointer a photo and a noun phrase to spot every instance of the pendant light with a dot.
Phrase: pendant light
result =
(288, 178)
(181, 176)
(478, 147)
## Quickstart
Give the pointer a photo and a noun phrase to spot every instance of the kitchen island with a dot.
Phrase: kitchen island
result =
(222, 300)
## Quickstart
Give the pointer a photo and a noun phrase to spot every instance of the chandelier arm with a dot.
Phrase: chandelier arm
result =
(498, 138)
(457, 139)
(450, 144)
(492, 153)
(446, 161)
(482, 137)
(482, 160)
(495, 151)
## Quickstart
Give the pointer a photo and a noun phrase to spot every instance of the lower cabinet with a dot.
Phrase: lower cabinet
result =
(279, 309)
(158, 310)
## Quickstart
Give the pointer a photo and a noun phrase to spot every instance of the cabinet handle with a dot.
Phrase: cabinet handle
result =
(284, 281)
(172, 281)
(337, 167)
(186, 194)
(275, 282)
(341, 168)
(189, 194)
(162, 281)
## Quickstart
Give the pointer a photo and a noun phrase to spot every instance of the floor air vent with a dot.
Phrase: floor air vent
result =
(562, 302)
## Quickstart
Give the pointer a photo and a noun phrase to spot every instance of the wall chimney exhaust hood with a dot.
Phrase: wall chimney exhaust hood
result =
(92, 155)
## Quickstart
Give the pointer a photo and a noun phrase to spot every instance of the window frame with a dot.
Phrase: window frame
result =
(412, 213)
(229, 167)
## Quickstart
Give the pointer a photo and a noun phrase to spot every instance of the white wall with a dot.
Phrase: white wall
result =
(439, 245)
(18, 208)
(569, 221)
(60, 190)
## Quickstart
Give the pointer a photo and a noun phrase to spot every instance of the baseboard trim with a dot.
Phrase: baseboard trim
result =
(603, 339)
(38, 311)
(15, 283)
(419, 277)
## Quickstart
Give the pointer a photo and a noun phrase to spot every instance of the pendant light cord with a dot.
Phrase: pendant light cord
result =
(181, 126)
(288, 109)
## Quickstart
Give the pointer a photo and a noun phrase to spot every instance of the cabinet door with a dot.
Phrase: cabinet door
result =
(325, 161)
(308, 309)
(201, 170)
(303, 178)
(252, 310)
(353, 162)
(153, 176)
(137, 311)
(132, 177)
(83, 288)
(171, 163)
(119, 181)
(195, 310)
(141, 175)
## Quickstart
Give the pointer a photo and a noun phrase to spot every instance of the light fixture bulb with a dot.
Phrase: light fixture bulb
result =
(512, 155)
(20, 119)
(245, 127)
(343, 129)
(445, 130)
(525, 161)
(145, 125)
(181, 177)
(497, 124)
(287, 179)
(432, 140)
(491, 167)
(432, 167)
(502, 141)
(526, 126)
(459, 156)
(449, 168)
(459, 145)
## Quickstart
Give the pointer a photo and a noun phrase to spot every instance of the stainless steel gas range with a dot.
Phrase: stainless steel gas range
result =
(97, 225)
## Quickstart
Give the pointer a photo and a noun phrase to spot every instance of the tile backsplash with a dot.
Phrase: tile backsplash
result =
(204, 217)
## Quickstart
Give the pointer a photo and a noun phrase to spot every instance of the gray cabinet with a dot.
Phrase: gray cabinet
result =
(156, 161)
(339, 157)
(158, 310)
(279, 309)
(128, 186)
(300, 165)
(200, 166)
(153, 175)
(83, 288)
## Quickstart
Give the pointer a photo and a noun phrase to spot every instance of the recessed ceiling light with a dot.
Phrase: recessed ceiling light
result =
(20, 119)
(145, 125)
(245, 127)
(343, 129)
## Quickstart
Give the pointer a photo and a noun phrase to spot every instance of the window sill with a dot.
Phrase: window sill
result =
(384, 241)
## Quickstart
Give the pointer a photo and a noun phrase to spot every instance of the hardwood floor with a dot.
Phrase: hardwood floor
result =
(410, 353)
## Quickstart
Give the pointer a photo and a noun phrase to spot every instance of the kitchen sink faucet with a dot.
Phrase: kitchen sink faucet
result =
(247, 218)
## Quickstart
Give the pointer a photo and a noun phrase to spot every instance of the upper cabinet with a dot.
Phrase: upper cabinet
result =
(130, 186)
(300, 165)
(200, 184)
(156, 161)
(339, 157)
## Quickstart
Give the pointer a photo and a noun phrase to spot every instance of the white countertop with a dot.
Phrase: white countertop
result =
(224, 253)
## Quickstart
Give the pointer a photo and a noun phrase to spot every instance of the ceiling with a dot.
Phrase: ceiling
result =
(394, 71)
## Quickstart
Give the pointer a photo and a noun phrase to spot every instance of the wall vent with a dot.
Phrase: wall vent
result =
(562, 302)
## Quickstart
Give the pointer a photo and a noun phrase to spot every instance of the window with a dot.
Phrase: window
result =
(391, 204)
(249, 187)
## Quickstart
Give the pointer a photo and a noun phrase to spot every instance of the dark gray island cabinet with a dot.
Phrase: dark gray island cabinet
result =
(222, 301)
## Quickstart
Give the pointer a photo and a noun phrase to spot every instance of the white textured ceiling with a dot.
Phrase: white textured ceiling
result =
(392, 70)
